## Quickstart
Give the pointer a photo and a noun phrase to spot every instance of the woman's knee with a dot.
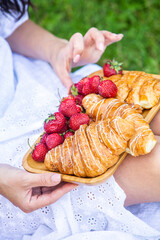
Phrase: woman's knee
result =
(139, 177)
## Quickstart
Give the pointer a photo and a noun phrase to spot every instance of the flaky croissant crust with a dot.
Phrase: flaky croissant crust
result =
(136, 87)
(92, 149)
(99, 108)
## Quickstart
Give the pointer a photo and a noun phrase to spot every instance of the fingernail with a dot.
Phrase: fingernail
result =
(76, 58)
(120, 35)
(56, 178)
(101, 47)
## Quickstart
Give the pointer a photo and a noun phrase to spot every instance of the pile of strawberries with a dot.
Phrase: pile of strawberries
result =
(60, 125)
(71, 114)
(95, 84)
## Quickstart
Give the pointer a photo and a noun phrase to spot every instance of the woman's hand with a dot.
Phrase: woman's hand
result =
(33, 41)
(30, 191)
(80, 51)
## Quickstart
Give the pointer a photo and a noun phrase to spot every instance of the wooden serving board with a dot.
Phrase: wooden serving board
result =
(38, 167)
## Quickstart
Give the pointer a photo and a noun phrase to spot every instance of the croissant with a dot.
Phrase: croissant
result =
(92, 149)
(99, 108)
(135, 87)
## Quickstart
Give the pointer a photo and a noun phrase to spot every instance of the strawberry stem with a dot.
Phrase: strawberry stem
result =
(29, 144)
(70, 130)
(101, 79)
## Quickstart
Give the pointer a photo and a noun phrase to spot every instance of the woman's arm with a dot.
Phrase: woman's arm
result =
(33, 41)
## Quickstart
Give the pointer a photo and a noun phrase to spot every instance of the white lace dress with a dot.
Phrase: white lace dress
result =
(28, 93)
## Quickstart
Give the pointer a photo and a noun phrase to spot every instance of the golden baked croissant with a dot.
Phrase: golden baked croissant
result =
(135, 87)
(99, 108)
(92, 149)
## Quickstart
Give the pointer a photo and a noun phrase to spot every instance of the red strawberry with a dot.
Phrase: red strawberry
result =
(75, 84)
(55, 122)
(79, 99)
(87, 87)
(43, 138)
(112, 67)
(70, 97)
(79, 108)
(107, 89)
(81, 84)
(78, 119)
(94, 83)
(64, 129)
(68, 108)
(39, 152)
(53, 140)
(68, 134)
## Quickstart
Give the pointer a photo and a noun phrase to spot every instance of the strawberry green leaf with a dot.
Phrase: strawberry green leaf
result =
(51, 117)
(74, 90)
(115, 65)
(101, 79)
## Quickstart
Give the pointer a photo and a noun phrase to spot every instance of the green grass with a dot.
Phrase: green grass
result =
(138, 21)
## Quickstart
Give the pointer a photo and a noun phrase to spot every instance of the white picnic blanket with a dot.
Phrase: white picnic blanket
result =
(28, 93)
